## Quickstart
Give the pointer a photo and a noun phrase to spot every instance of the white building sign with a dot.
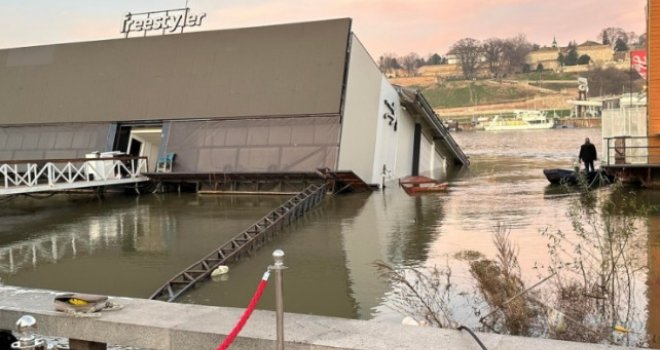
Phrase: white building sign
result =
(167, 21)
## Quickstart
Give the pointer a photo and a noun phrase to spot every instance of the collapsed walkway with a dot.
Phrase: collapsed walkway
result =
(243, 243)
(52, 175)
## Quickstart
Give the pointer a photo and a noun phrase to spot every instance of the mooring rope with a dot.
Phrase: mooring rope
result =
(246, 314)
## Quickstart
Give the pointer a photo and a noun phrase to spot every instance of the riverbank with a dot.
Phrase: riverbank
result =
(142, 241)
(159, 325)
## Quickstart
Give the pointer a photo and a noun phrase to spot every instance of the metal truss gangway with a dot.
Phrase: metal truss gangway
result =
(51, 175)
(243, 243)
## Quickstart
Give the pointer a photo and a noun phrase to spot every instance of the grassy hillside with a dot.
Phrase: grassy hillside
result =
(547, 75)
(466, 94)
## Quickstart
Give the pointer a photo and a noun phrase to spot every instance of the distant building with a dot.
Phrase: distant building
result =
(598, 52)
(260, 100)
(548, 56)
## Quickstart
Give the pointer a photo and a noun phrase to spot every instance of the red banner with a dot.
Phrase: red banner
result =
(638, 62)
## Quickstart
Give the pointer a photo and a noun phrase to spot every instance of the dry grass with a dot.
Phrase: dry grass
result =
(500, 285)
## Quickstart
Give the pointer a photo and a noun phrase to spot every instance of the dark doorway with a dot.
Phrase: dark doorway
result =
(122, 138)
(136, 147)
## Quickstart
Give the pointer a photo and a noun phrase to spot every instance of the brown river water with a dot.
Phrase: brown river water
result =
(128, 246)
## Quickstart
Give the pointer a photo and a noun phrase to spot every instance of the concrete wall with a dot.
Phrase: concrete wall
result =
(545, 54)
(598, 53)
(291, 69)
(361, 116)
(173, 326)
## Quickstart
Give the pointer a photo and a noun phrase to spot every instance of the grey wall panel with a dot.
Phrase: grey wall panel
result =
(255, 145)
(284, 70)
(51, 141)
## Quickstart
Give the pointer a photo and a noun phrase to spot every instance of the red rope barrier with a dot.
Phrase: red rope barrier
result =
(246, 314)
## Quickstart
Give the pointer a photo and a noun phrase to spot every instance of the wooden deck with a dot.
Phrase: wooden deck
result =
(647, 175)
(261, 183)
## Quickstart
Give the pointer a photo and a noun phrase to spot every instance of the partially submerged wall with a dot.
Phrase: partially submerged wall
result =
(255, 145)
(360, 115)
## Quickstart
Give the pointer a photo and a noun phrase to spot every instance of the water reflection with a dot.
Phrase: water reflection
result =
(130, 246)
(120, 246)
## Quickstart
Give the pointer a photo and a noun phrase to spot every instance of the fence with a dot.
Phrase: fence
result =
(631, 150)
(25, 176)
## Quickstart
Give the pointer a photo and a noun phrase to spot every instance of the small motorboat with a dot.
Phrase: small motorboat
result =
(571, 177)
(559, 176)
(422, 184)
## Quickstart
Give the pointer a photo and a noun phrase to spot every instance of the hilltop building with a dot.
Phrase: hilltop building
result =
(254, 100)
(598, 52)
(547, 56)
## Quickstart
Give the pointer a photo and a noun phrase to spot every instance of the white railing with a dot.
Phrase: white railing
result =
(46, 175)
(631, 150)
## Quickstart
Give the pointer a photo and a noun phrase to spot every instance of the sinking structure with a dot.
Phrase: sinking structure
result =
(265, 100)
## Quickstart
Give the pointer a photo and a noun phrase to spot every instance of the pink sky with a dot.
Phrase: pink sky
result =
(397, 26)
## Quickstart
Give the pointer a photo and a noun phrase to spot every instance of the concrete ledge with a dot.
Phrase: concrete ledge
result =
(159, 325)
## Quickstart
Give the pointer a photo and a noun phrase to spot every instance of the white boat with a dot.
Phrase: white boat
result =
(521, 120)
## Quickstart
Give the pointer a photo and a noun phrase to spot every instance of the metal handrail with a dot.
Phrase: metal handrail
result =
(31, 173)
(642, 151)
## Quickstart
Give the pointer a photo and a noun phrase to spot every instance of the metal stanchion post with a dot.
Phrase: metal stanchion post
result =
(277, 268)
(26, 326)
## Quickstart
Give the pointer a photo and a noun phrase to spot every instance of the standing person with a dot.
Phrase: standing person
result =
(588, 155)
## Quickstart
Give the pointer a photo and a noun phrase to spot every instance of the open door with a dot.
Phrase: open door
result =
(140, 141)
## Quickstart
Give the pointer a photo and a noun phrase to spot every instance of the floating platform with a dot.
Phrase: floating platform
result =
(647, 175)
(414, 185)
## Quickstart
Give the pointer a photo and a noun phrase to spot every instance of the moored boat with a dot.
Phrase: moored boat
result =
(521, 120)
(558, 176)
(422, 184)
(571, 177)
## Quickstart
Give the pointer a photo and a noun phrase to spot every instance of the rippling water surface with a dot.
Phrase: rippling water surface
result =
(130, 245)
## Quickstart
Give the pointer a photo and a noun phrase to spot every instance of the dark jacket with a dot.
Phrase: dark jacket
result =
(588, 152)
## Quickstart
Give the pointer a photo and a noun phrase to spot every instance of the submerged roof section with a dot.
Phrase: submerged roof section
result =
(291, 69)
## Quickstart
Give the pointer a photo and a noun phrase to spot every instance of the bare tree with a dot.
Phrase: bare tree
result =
(492, 51)
(388, 61)
(514, 51)
(468, 51)
(612, 81)
(410, 62)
